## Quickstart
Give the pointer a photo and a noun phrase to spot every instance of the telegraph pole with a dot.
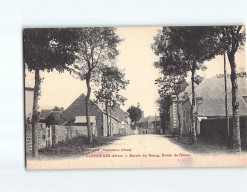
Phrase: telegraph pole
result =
(227, 117)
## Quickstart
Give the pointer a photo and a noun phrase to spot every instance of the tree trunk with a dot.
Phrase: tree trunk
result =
(35, 114)
(194, 133)
(90, 138)
(179, 118)
(107, 121)
(235, 105)
(110, 125)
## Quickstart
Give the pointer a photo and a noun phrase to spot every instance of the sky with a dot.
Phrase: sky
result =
(136, 58)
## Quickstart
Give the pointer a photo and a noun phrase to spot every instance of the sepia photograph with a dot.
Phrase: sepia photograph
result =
(135, 97)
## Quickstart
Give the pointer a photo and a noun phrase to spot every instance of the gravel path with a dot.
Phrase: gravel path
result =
(140, 151)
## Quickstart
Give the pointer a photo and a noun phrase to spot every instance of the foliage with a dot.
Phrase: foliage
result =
(58, 109)
(54, 118)
(164, 103)
(239, 75)
(48, 49)
(112, 81)
(135, 113)
(97, 48)
(198, 79)
(232, 39)
(185, 49)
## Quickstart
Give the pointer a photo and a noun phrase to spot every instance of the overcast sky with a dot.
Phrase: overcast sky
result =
(137, 58)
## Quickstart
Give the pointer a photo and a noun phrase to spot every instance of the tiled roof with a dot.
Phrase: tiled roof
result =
(44, 114)
(83, 119)
(148, 119)
(143, 120)
(188, 89)
(119, 114)
(77, 108)
(213, 93)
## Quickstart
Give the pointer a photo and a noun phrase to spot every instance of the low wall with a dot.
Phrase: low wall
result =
(41, 141)
(63, 133)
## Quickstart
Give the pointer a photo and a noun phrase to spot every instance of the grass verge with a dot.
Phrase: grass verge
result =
(74, 147)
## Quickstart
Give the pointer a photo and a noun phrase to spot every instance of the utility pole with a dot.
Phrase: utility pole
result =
(227, 118)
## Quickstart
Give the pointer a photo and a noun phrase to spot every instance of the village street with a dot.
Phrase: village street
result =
(138, 151)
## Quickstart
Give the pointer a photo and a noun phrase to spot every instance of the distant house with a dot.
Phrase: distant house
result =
(57, 115)
(210, 107)
(184, 119)
(149, 125)
(120, 121)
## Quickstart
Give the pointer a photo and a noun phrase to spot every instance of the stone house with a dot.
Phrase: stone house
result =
(149, 125)
(184, 113)
(120, 121)
(56, 114)
(210, 108)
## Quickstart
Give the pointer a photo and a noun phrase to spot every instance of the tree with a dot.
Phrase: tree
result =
(232, 40)
(172, 84)
(173, 68)
(135, 113)
(112, 81)
(193, 45)
(50, 120)
(45, 50)
(97, 48)
(58, 109)
(164, 103)
(198, 79)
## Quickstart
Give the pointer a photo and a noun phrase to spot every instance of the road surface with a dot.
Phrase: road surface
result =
(138, 151)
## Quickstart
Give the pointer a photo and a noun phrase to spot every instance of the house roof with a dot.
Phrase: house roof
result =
(143, 120)
(212, 91)
(188, 89)
(44, 114)
(148, 119)
(83, 119)
(77, 108)
(119, 114)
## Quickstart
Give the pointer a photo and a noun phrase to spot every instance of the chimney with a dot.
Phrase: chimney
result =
(174, 98)
(186, 95)
(199, 100)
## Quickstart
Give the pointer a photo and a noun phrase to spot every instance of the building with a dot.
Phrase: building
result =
(120, 121)
(149, 125)
(57, 115)
(184, 118)
(210, 108)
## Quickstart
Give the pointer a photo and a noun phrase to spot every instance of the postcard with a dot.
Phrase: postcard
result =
(135, 97)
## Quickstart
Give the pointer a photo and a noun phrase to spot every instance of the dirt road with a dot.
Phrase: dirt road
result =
(139, 151)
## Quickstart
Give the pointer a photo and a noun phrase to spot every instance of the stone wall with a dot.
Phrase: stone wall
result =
(186, 117)
(41, 129)
(62, 133)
